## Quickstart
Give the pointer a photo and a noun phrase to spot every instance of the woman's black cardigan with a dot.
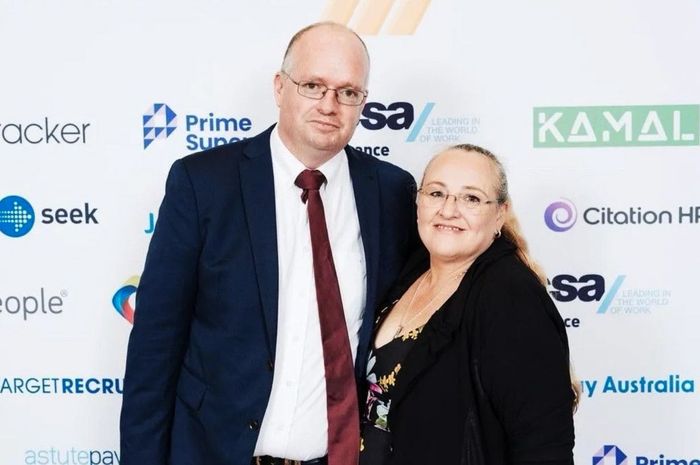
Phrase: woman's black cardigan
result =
(488, 379)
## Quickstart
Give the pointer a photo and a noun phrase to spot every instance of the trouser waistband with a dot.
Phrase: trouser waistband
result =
(267, 460)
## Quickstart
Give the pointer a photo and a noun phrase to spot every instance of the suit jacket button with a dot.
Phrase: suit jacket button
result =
(270, 365)
(254, 425)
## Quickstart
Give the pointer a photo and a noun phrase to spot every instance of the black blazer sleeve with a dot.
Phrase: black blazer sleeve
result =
(165, 301)
(524, 366)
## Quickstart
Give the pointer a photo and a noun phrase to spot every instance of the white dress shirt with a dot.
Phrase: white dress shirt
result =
(295, 425)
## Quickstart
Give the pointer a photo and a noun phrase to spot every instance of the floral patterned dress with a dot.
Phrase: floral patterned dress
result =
(383, 370)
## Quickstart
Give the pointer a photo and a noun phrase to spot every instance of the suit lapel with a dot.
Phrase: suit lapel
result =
(366, 188)
(258, 192)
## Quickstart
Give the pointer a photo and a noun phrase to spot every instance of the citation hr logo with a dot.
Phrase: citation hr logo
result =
(613, 455)
(561, 216)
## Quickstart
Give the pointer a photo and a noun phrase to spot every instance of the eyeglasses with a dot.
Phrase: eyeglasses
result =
(437, 198)
(316, 90)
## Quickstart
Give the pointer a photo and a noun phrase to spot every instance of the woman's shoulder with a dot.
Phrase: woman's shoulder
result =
(511, 292)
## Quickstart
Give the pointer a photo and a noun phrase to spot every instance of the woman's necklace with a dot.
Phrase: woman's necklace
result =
(403, 324)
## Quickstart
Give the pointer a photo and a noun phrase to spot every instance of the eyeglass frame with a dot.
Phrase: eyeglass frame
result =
(323, 94)
(459, 203)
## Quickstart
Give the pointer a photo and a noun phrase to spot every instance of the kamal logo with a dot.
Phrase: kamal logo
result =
(159, 122)
(369, 17)
(610, 455)
(121, 299)
(616, 126)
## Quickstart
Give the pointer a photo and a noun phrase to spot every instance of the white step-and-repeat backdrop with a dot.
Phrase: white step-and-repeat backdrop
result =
(593, 106)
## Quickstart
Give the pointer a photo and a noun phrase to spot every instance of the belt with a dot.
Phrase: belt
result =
(267, 460)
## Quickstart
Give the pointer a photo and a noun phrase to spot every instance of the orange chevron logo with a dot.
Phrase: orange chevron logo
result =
(372, 17)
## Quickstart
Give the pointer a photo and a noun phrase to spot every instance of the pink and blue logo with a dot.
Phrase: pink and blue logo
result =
(122, 299)
(560, 216)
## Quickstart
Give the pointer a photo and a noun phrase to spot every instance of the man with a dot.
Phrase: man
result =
(236, 356)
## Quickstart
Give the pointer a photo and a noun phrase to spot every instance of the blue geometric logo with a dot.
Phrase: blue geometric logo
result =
(16, 216)
(610, 455)
(159, 122)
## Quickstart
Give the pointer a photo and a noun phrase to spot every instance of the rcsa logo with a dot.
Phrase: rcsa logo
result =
(613, 455)
(616, 126)
(423, 128)
(123, 299)
(615, 300)
(561, 216)
(17, 216)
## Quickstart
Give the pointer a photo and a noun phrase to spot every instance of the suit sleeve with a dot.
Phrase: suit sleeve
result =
(525, 372)
(164, 305)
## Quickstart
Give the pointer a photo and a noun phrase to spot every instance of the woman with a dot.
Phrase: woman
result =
(470, 362)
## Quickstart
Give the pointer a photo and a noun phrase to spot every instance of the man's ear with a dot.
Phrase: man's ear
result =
(277, 87)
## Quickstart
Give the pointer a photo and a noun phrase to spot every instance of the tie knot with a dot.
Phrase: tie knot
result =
(309, 180)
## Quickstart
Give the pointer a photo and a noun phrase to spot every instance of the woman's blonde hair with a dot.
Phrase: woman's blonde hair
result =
(511, 231)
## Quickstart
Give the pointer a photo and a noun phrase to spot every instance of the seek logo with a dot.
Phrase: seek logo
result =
(84, 215)
(17, 217)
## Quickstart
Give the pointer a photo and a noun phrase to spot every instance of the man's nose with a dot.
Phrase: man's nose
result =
(328, 103)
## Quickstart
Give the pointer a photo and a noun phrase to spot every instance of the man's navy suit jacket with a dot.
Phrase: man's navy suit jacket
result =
(202, 350)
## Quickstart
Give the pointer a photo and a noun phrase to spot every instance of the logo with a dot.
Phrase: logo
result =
(58, 385)
(151, 223)
(671, 385)
(16, 216)
(560, 216)
(616, 126)
(28, 305)
(159, 122)
(72, 456)
(121, 299)
(613, 455)
(616, 300)
(391, 17)
(401, 116)
(610, 455)
(201, 132)
(43, 132)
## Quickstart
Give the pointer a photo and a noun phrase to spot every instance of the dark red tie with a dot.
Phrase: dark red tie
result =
(341, 393)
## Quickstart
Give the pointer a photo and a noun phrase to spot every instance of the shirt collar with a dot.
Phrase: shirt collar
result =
(291, 166)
